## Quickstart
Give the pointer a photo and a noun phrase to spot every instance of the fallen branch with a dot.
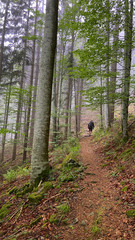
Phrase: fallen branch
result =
(131, 124)
(19, 209)
(52, 197)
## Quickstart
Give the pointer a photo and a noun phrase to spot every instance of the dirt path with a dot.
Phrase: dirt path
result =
(97, 210)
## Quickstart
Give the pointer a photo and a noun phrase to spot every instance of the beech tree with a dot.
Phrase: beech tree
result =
(39, 161)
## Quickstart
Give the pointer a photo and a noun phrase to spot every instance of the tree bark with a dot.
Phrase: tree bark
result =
(20, 94)
(6, 120)
(3, 37)
(107, 105)
(113, 79)
(127, 65)
(30, 93)
(39, 162)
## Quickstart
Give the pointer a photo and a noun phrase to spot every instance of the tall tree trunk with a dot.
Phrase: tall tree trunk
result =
(69, 93)
(67, 108)
(60, 83)
(127, 65)
(39, 162)
(76, 107)
(30, 92)
(6, 120)
(80, 105)
(20, 94)
(54, 117)
(34, 97)
(107, 106)
(35, 85)
(3, 37)
(114, 66)
(101, 104)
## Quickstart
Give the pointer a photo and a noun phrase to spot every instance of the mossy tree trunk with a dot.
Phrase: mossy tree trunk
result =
(39, 162)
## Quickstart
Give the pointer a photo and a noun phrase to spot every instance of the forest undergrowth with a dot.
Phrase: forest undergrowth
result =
(48, 210)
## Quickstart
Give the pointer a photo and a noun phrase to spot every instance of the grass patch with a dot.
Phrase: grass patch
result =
(63, 208)
(96, 229)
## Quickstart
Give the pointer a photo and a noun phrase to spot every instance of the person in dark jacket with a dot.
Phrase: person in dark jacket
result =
(90, 127)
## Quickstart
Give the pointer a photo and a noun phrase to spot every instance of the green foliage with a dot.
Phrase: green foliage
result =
(13, 190)
(130, 213)
(35, 221)
(98, 134)
(47, 186)
(4, 211)
(95, 228)
(54, 219)
(124, 189)
(35, 198)
(26, 188)
(13, 174)
(68, 146)
(66, 177)
(63, 208)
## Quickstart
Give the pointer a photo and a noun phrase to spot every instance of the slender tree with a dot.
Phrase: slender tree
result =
(39, 162)
(17, 127)
(30, 91)
(127, 64)
(3, 37)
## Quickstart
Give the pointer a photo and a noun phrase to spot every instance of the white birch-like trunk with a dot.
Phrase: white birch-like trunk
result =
(39, 162)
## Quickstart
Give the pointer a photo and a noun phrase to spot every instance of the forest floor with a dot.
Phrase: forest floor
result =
(98, 211)
(100, 202)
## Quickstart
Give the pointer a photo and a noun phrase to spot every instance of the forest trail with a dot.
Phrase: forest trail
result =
(97, 210)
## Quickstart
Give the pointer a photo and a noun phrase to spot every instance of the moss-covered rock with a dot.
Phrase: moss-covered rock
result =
(4, 211)
(35, 198)
(35, 221)
(131, 213)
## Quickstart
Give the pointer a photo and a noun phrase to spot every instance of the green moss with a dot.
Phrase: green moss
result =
(13, 190)
(95, 229)
(35, 198)
(130, 213)
(26, 188)
(63, 208)
(124, 189)
(47, 186)
(42, 176)
(4, 211)
(65, 221)
(54, 219)
(35, 221)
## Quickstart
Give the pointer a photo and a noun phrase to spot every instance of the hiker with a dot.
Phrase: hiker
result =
(90, 127)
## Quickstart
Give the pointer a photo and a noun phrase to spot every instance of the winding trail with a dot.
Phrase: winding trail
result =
(97, 212)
